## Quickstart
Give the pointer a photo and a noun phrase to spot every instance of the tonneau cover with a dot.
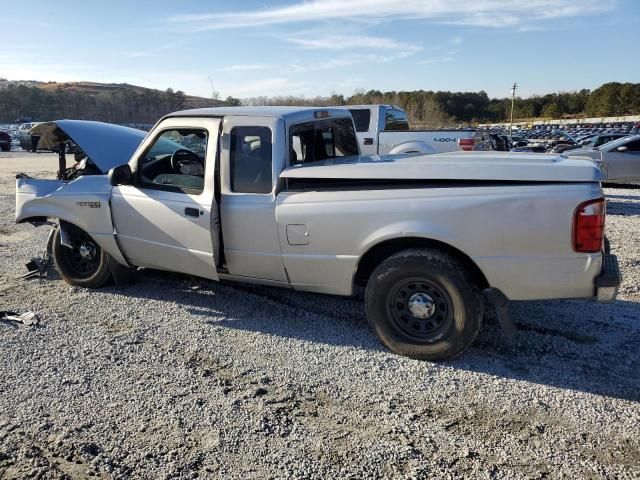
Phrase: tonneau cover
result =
(498, 166)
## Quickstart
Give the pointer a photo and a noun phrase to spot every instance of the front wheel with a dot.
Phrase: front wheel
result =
(85, 264)
(422, 304)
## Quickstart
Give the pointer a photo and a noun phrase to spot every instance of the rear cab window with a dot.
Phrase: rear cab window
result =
(250, 160)
(395, 119)
(361, 118)
(322, 140)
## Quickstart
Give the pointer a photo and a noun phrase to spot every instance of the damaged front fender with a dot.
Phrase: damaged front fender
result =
(84, 202)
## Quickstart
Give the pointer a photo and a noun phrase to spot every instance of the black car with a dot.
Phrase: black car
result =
(5, 141)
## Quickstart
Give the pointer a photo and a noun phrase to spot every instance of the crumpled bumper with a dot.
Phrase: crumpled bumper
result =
(608, 282)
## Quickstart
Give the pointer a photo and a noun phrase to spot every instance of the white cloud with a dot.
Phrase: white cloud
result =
(159, 51)
(484, 13)
(344, 42)
(430, 61)
(264, 87)
(244, 67)
(351, 82)
(347, 61)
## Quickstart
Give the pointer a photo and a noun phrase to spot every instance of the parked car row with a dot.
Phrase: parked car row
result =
(578, 132)
(617, 154)
(487, 140)
(19, 136)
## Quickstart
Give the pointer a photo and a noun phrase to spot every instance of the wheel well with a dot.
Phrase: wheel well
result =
(378, 253)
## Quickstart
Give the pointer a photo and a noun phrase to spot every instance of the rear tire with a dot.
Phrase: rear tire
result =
(422, 304)
(84, 265)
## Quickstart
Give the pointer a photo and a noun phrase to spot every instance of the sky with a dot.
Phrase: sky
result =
(318, 47)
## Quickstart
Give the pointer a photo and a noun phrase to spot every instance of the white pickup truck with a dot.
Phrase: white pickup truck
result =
(280, 196)
(384, 129)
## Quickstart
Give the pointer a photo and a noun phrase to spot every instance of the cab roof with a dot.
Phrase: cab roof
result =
(287, 113)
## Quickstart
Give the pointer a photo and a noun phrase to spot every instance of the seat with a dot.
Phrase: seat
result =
(252, 174)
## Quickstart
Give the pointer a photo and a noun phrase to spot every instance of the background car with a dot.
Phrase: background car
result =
(5, 141)
(24, 137)
(619, 159)
(592, 141)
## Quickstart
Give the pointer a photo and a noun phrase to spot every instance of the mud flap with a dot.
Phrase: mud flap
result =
(121, 275)
(501, 303)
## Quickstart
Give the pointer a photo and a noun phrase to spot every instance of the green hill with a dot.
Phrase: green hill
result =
(108, 102)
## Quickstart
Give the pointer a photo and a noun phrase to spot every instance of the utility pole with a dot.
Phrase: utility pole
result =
(513, 99)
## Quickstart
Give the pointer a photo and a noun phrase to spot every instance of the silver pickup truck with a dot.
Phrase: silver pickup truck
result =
(280, 196)
(384, 129)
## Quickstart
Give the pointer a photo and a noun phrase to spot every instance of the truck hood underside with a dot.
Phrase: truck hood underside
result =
(472, 166)
(106, 144)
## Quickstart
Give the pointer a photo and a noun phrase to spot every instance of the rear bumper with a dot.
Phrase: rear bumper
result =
(609, 280)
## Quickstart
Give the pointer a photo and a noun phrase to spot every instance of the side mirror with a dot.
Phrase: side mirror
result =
(622, 149)
(120, 175)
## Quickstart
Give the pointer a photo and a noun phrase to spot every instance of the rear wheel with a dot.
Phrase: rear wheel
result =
(85, 264)
(422, 304)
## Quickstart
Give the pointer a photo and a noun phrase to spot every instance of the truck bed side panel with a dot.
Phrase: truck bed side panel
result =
(439, 140)
(519, 235)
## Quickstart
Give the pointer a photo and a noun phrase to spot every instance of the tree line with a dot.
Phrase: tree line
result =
(442, 109)
(424, 108)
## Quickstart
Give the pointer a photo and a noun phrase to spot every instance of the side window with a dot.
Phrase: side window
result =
(395, 119)
(250, 160)
(633, 146)
(322, 140)
(175, 161)
(361, 118)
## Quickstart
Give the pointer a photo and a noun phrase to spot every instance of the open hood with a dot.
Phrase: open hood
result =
(594, 154)
(107, 145)
(473, 166)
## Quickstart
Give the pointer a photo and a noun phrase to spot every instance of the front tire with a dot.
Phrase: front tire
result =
(84, 265)
(422, 304)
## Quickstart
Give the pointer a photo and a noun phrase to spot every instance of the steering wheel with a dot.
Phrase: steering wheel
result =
(181, 157)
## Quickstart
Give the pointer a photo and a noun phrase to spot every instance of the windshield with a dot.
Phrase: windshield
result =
(587, 139)
(614, 144)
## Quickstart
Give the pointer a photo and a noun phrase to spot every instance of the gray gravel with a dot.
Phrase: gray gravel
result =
(176, 377)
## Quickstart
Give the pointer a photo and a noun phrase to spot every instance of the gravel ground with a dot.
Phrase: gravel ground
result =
(175, 377)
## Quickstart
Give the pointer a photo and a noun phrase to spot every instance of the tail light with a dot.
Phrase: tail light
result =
(466, 144)
(588, 226)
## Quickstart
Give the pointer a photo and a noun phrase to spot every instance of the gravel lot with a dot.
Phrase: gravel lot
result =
(176, 377)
